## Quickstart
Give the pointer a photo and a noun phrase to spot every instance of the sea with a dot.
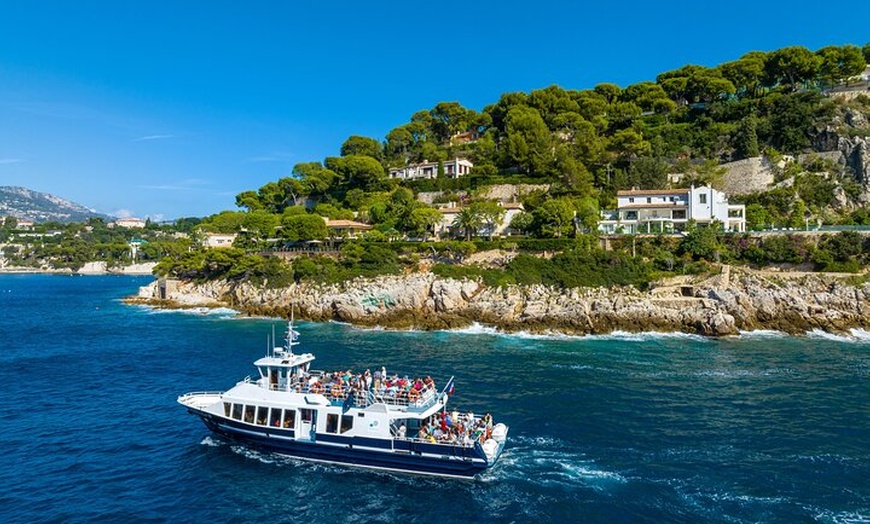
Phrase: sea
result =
(635, 428)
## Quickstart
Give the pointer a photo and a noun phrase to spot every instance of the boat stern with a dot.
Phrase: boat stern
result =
(493, 446)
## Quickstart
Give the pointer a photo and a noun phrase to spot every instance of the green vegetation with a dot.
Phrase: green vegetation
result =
(579, 146)
(584, 144)
(70, 246)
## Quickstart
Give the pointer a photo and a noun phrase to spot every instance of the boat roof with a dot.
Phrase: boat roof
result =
(282, 358)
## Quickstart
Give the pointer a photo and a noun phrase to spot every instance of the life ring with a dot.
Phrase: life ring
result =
(316, 388)
(336, 391)
(413, 395)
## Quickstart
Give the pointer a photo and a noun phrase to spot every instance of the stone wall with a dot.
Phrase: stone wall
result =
(747, 176)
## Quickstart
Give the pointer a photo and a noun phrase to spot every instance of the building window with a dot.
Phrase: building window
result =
(702, 198)
(679, 214)
(631, 215)
(648, 200)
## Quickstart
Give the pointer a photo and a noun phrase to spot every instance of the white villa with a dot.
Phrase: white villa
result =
(129, 222)
(346, 228)
(668, 211)
(454, 168)
(24, 224)
(213, 240)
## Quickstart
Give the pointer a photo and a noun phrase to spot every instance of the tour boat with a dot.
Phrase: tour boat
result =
(367, 419)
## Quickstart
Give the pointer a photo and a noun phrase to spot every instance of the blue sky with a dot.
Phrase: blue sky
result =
(171, 108)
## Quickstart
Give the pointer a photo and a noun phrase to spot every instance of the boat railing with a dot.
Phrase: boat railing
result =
(320, 383)
(200, 394)
(199, 399)
(338, 395)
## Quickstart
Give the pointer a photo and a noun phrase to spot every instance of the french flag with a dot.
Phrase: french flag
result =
(449, 388)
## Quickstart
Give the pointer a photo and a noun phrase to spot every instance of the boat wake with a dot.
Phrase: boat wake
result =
(843, 517)
(211, 442)
(548, 462)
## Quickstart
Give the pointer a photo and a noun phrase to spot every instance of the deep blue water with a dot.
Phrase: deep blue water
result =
(643, 428)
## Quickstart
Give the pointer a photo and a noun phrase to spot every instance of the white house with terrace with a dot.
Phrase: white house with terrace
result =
(454, 168)
(669, 210)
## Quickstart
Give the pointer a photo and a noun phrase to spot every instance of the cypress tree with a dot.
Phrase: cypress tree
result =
(746, 139)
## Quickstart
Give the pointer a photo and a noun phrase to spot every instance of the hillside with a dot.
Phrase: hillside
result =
(24, 203)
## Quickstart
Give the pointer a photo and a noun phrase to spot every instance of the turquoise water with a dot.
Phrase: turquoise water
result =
(625, 428)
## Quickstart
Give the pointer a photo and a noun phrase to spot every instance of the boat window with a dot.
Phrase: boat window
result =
(289, 418)
(262, 416)
(346, 423)
(275, 417)
(249, 414)
(227, 407)
(332, 423)
(237, 411)
(307, 415)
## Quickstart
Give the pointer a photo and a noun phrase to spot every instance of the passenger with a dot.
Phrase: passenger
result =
(402, 431)
(423, 433)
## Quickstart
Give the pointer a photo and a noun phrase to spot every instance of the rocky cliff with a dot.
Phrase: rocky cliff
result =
(735, 301)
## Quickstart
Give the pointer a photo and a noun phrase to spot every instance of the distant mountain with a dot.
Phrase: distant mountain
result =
(23, 203)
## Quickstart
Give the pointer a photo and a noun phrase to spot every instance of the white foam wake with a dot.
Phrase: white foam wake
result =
(855, 336)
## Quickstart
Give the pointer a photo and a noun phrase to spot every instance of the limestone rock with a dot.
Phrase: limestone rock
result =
(747, 301)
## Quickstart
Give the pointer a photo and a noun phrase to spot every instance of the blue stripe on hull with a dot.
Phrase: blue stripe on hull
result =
(453, 461)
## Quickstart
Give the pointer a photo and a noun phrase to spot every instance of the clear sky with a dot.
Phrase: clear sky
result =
(169, 108)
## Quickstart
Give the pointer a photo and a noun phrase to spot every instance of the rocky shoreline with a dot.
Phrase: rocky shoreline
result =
(738, 299)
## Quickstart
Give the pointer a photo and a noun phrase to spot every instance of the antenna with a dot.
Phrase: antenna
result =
(292, 335)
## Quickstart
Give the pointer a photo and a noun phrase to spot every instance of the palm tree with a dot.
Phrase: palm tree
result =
(469, 221)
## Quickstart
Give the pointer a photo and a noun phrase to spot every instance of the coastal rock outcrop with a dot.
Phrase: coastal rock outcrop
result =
(746, 300)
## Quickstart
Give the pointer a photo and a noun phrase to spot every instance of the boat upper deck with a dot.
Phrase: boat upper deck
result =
(343, 388)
